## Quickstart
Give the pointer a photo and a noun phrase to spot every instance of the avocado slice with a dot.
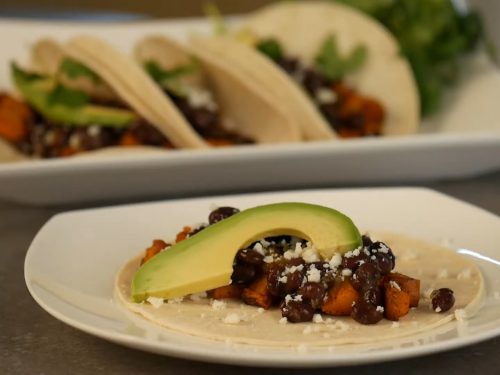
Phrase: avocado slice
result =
(204, 261)
(37, 90)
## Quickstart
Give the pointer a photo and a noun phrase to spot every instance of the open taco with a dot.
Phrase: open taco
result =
(352, 81)
(246, 277)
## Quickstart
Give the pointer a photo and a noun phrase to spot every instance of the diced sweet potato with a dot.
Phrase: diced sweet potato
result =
(182, 235)
(227, 291)
(340, 299)
(14, 116)
(257, 293)
(155, 248)
(407, 284)
(129, 139)
(397, 302)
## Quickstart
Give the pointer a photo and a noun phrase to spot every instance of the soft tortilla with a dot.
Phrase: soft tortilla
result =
(9, 153)
(301, 27)
(248, 109)
(414, 258)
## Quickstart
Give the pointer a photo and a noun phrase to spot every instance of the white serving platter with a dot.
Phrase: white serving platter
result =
(71, 265)
(462, 140)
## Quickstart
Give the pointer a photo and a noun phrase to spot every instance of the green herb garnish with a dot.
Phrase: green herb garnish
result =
(334, 66)
(271, 48)
(169, 78)
(73, 69)
(433, 35)
(65, 96)
(214, 15)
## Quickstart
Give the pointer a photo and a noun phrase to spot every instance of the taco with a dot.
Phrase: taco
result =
(294, 286)
(339, 71)
(213, 95)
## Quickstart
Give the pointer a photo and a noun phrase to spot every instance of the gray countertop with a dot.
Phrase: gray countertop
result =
(33, 342)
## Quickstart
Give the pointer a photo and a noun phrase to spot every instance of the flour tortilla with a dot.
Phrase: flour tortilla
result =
(415, 258)
(8, 153)
(249, 110)
(301, 27)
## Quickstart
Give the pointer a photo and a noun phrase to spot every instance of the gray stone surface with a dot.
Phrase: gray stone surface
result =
(33, 342)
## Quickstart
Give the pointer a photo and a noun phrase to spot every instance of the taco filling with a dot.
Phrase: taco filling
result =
(289, 276)
(348, 112)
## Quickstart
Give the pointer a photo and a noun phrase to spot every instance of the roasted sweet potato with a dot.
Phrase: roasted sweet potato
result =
(182, 235)
(227, 291)
(340, 299)
(257, 293)
(155, 248)
(397, 302)
(129, 139)
(14, 116)
(407, 284)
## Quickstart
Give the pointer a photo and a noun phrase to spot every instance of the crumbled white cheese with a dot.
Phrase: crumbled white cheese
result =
(296, 253)
(288, 298)
(380, 309)
(283, 279)
(353, 253)
(310, 255)
(283, 320)
(260, 310)
(313, 275)
(156, 302)
(346, 272)
(174, 301)
(298, 298)
(94, 130)
(366, 251)
(198, 97)
(268, 259)
(258, 248)
(325, 96)
(460, 315)
(383, 249)
(395, 325)
(394, 285)
(442, 274)
(317, 318)
(218, 305)
(336, 260)
(437, 309)
(197, 296)
(232, 319)
(265, 243)
(465, 274)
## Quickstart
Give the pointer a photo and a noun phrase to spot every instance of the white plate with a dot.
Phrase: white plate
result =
(71, 264)
(463, 140)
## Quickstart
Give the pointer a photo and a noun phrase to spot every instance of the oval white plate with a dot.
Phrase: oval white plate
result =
(71, 264)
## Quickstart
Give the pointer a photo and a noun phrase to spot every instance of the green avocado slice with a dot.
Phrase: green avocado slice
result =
(37, 90)
(204, 261)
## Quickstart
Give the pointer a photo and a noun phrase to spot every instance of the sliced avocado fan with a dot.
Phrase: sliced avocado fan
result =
(205, 260)
(64, 106)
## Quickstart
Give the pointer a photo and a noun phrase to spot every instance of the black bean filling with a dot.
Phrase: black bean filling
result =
(442, 300)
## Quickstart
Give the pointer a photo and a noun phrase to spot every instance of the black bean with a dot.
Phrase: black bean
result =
(366, 313)
(353, 262)
(196, 230)
(442, 300)
(365, 276)
(378, 245)
(289, 65)
(274, 287)
(372, 295)
(297, 311)
(383, 263)
(221, 213)
(147, 134)
(243, 273)
(293, 281)
(367, 241)
(313, 293)
(313, 81)
(250, 256)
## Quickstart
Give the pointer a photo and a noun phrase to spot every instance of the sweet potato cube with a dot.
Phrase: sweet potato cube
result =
(397, 302)
(227, 291)
(340, 299)
(155, 248)
(407, 284)
(257, 293)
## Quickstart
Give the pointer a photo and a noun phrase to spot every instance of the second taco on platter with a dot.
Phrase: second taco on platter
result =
(339, 71)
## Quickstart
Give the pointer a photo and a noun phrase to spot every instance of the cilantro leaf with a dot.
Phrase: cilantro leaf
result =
(332, 65)
(74, 69)
(67, 97)
(169, 78)
(24, 76)
(271, 48)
